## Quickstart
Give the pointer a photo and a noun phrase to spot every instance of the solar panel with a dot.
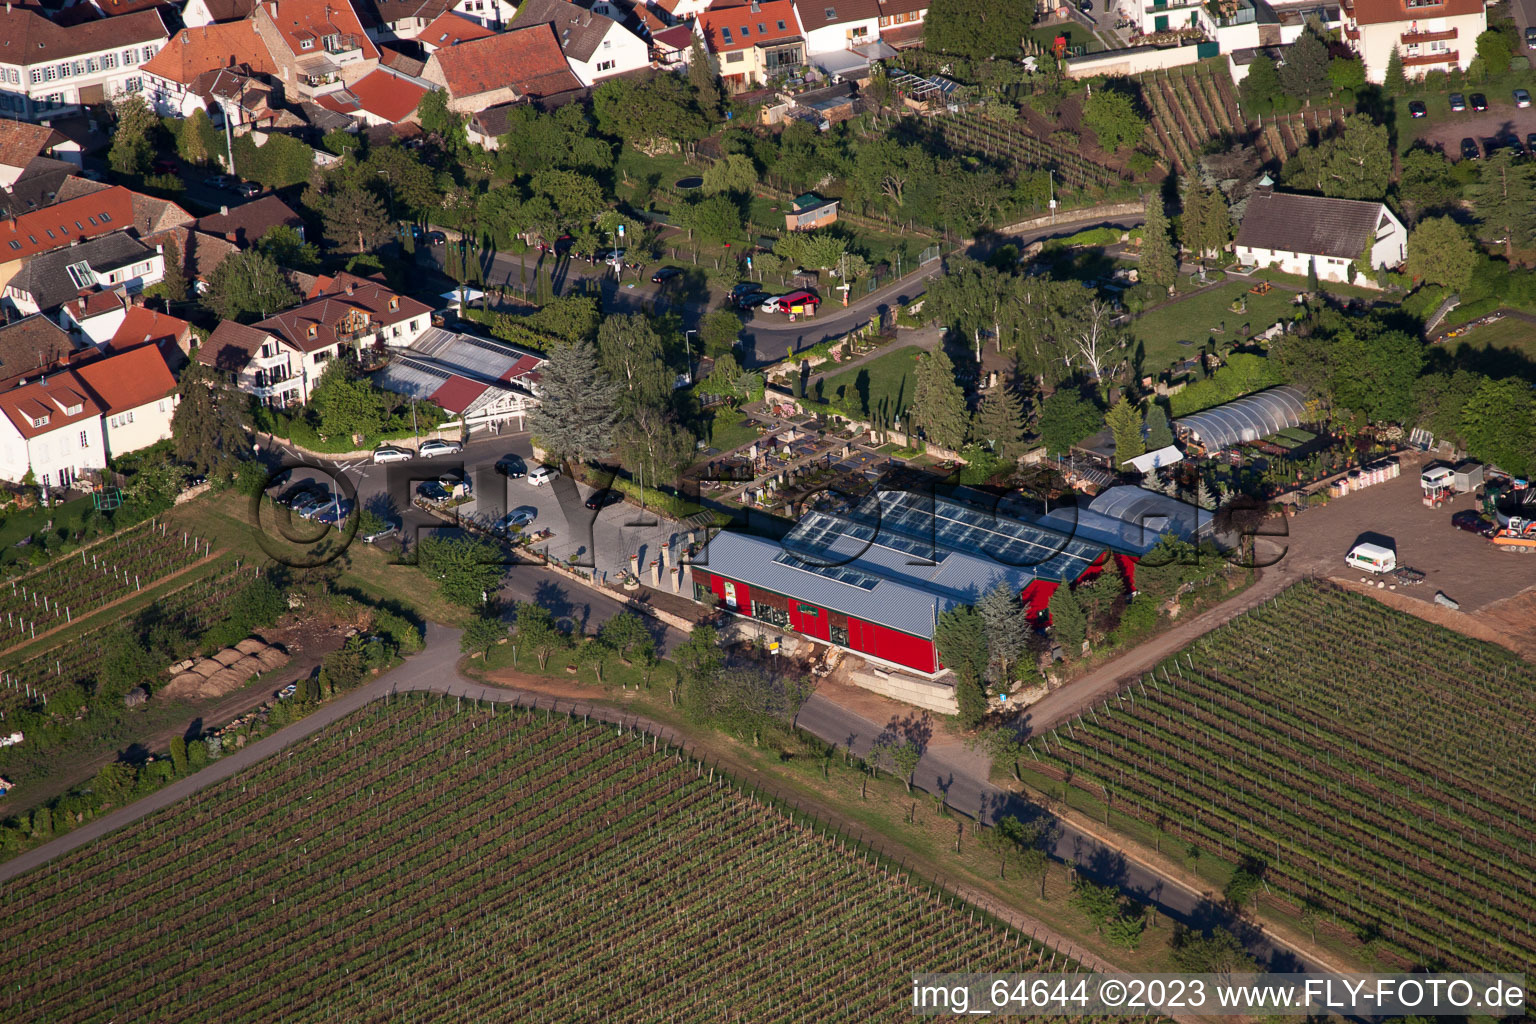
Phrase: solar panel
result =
(837, 573)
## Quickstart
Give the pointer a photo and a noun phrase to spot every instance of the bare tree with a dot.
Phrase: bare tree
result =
(1097, 341)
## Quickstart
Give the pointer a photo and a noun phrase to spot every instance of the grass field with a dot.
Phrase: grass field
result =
(1191, 319)
(592, 877)
(882, 385)
(730, 428)
(1366, 765)
(1511, 334)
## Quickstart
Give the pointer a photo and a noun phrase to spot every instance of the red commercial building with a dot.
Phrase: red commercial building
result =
(876, 579)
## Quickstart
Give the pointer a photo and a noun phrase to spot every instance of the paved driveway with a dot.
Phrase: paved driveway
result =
(1500, 119)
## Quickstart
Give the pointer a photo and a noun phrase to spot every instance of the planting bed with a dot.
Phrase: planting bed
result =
(1370, 765)
(424, 860)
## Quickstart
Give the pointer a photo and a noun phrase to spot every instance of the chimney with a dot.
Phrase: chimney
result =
(350, 288)
(224, 211)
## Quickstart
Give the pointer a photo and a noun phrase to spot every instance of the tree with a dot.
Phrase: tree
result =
(717, 218)
(115, 781)
(1158, 264)
(1374, 371)
(179, 755)
(961, 639)
(698, 660)
(1505, 200)
(1114, 120)
(1007, 627)
(736, 173)
(999, 422)
(938, 404)
(624, 633)
(1215, 952)
(467, 569)
(1261, 87)
(567, 317)
(1346, 74)
(1356, 163)
(1192, 220)
(1494, 50)
(701, 75)
(1427, 182)
(207, 427)
(578, 405)
(1124, 422)
(629, 350)
(174, 284)
(651, 441)
(1396, 81)
(1159, 433)
(1216, 225)
(483, 631)
(537, 633)
(1305, 71)
(247, 286)
(1441, 252)
(1499, 425)
(656, 115)
(1068, 623)
(354, 219)
(132, 137)
(978, 29)
(288, 249)
(192, 141)
(347, 402)
(1066, 417)
(436, 119)
(718, 331)
(1097, 339)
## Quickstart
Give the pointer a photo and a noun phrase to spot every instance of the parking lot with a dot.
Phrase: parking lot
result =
(1464, 566)
(1498, 121)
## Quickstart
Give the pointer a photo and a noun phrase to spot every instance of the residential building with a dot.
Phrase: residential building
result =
(399, 19)
(1430, 36)
(244, 225)
(144, 326)
(521, 63)
(809, 212)
(94, 316)
(595, 44)
(380, 98)
(46, 282)
(47, 69)
(832, 26)
(280, 359)
(671, 48)
(198, 13)
(753, 44)
(450, 29)
(20, 144)
(1300, 233)
(175, 82)
(486, 127)
(901, 22)
(136, 395)
(63, 223)
(318, 45)
(52, 428)
(678, 12)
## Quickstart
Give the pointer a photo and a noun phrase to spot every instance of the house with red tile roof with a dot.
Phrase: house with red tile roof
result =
(50, 427)
(64, 223)
(753, 43)
(20, 144)
(522, 63)
(52, 69)
(94, 316)
(1435, 36)
(172, 76)
(145, 326)
(319, 46)
(213, 12)
(30, 346)
(450, 29)
(280, 359)
(382, 97)
(136, 393)
(595, 43)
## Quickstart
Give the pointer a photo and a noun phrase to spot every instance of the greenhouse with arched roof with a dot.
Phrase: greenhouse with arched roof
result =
(1249, 418)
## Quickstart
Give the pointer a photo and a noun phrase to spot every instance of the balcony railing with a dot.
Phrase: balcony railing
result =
(1415, 38)
(343, 44)
(1421, 59)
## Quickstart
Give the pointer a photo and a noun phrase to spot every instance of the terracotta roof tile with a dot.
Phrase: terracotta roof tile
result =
(143, 326)
(65, 222)
(451, 29)
(387, 95)
(298, 20)
(32, 343)
(528, 60)
(741, 28)
(128, 379)
(246, 223)
(231, 346)
(1378, 12)
(48, 400)
(43, 42)
(193, 51)
(20, 141)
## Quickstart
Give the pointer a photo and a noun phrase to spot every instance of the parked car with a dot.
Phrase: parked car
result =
(165, 165)
(1530, 35)
(1416, 108)
(512, 467)
(247, 190)
(391, 527)
(390, 453)
(770, 303)
(1522, 98)
(429, 449)
(745, 288)
(287, 691)
(311, 506)
(219, 181)
(787, 303)
(335, 513)
(1086, 6)
(1469, 150)
(1473, 522)
(520, 517)
(602, 499)
(309, 491)
(436, 238)
(1458, 102)
(666, 274)
(1479, 102)
(433, 491)
(453, 481)
(749, 300)
(542, 475)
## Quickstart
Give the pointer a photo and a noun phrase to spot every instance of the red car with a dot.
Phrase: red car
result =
(804, 300)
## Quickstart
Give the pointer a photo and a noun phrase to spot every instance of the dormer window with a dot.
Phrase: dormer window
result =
(314, 331)
(74, 410)
(394, 303)
(306, 44)
(38, 421)
(81, 274)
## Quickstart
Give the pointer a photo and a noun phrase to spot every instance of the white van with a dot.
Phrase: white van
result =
(542, 475)
(1372, 558)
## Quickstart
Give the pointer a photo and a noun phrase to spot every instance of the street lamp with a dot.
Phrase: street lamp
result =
(689, 349)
